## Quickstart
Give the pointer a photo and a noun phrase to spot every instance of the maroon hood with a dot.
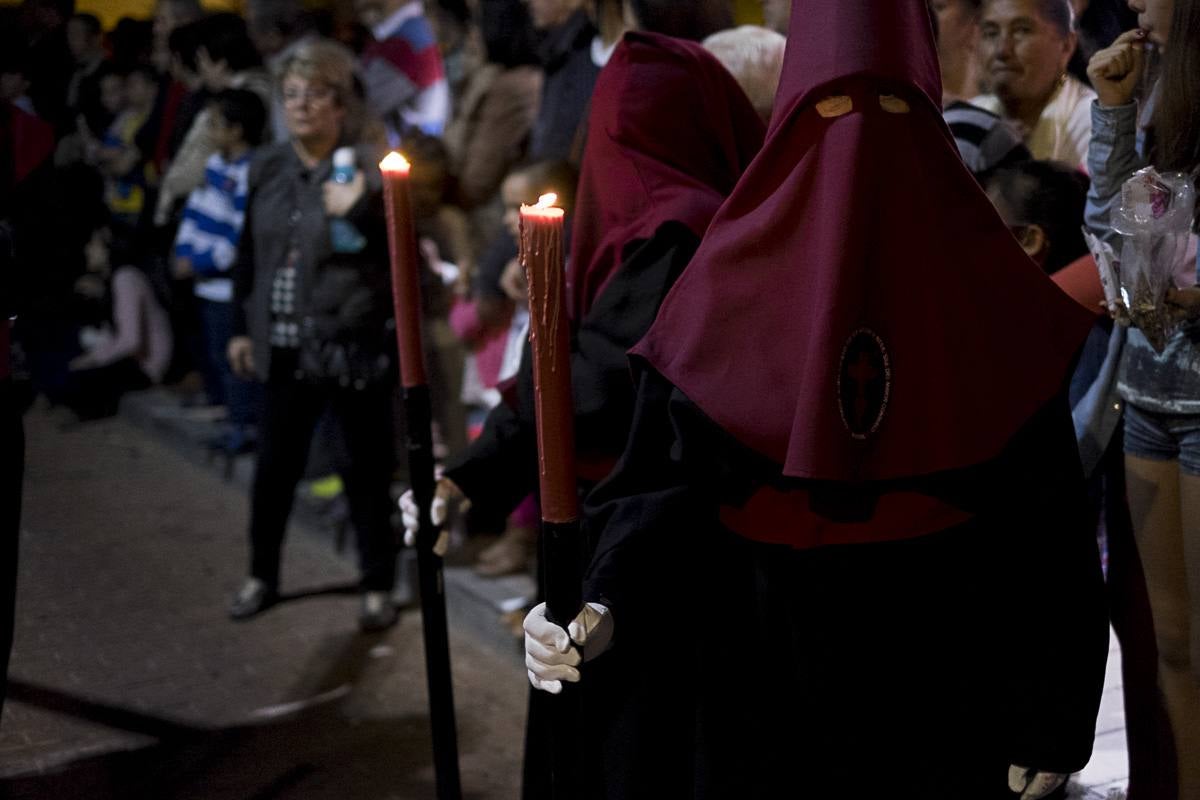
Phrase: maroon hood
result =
(857, 310)
(669, 134)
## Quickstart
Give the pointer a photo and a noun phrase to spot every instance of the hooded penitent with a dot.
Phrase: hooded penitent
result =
(858, 312)
(669, 133)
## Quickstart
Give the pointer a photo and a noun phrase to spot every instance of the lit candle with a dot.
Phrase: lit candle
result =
(542, 257)
(402, 246)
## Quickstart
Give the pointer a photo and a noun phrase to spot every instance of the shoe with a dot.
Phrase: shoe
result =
(508, 555)
(325, 488)
(514, 623)
(234, 442)
(378, 613)
(254, 597)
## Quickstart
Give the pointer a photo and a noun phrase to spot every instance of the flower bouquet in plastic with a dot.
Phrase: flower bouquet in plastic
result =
(1154, 219)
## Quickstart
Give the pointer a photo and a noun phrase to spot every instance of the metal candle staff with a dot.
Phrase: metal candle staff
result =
(406, 297)
(563, 547)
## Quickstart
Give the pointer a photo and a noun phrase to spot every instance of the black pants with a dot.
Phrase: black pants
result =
(12, 468)
(292, 410)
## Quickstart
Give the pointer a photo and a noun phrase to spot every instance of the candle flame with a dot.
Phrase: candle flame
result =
(544, 208)
(394, 162)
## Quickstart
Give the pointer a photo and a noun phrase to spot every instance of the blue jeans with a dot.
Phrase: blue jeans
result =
(241, 398)
(1163, 437)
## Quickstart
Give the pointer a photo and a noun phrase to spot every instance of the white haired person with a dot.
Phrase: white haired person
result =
(754, 56)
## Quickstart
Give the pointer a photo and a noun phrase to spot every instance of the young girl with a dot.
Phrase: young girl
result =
(1161, 391)
(131, 354)
(1042, 203)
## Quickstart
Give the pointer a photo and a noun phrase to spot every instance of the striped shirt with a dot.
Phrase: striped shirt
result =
(404, 76)
(984, 140)
(212, 226)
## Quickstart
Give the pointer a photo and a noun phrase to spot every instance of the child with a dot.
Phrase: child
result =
(206, 246)
(1042, 203)
(131, 354)
(131, 99)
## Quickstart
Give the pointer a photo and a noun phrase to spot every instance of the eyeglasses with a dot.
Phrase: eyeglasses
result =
(314, 95)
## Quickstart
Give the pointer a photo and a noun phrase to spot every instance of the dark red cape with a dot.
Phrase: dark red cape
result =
(669, 133)
(858, 311)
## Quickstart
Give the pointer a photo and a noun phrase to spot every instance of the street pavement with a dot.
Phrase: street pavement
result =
(128, 681)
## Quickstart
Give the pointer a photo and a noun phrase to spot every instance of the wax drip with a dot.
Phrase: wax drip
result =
(541, 248)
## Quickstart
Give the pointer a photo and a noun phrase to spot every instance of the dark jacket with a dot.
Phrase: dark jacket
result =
(285, 211)
(570, 76)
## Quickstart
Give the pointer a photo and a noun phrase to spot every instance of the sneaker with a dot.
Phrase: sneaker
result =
(253, 598)
(378, 613)
(325, 488)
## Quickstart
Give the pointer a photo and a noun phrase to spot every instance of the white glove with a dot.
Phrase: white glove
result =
(437, 515)
(1033, 785)
(550, 656)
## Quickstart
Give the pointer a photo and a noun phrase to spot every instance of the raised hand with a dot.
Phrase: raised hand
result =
(1116, 70)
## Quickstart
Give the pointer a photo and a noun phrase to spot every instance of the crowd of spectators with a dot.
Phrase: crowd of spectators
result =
(202, 196)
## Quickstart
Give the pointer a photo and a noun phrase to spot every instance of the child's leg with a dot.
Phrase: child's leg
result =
(1154, 488)
(1189, 493)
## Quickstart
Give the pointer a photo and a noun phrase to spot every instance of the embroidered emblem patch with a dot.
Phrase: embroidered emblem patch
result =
(864, 383)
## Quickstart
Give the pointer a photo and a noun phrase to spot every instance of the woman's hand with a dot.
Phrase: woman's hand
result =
(241, 356)
(1116, 70)
(341, 197)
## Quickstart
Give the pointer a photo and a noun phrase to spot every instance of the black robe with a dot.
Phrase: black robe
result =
(500, 468)
(918, 668)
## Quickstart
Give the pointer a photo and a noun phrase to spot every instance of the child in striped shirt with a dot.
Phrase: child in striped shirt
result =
(206, 248)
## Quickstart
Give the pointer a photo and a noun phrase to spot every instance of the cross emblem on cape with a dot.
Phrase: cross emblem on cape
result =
(864, 383)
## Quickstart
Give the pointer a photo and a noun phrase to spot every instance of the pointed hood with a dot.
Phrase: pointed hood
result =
(888, 40)
(857, 310)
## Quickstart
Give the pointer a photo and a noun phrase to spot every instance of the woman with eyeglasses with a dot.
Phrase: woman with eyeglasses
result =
(310, 315)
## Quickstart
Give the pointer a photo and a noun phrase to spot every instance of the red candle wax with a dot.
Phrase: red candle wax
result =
(406, 290)
(542, 257)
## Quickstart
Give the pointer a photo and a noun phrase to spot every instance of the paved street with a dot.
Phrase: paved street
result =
(128, 681)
